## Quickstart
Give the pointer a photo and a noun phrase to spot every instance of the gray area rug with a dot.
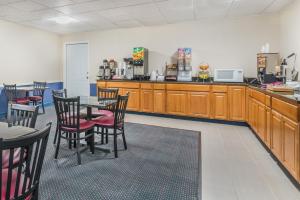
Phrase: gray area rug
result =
(160, 163)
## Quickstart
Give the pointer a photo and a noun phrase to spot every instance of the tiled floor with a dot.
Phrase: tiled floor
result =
(235, 166)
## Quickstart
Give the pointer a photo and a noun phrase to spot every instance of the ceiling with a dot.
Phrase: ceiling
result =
(109, 14)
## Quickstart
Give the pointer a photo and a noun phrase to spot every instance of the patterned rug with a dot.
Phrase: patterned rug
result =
(160, 163)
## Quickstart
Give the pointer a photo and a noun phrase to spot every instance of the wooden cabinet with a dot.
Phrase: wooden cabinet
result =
(159, 99)
(276, 134)
(219, 105)
(290, 142)
(176, 102)
(134, 99)
(268, 127)
(147, 101)
(198, 104)
(236, 103)
(261, 121)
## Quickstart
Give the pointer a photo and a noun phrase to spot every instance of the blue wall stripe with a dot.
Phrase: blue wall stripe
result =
(93, 89)
(47, 98)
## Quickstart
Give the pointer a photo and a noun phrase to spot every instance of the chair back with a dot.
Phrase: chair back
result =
(67, 111)
(39, 88)
(60, 93)
(120, 109)
(10, 92)
(22, 115)
(21, 180)
(108, 93)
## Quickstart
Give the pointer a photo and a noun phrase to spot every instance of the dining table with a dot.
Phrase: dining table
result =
(8, 132)
(27, 89)
(90, 102)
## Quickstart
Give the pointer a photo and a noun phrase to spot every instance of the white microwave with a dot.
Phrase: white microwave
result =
(229, 75)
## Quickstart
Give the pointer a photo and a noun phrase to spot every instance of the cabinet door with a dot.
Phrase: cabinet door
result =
(290, 156)
(176, 102)
(219, 106)
(268, 127)
(134, 99)
(276, 134)
(198, 104)
(159, 101)
(147, 101)
(261, 121)
(237, 103)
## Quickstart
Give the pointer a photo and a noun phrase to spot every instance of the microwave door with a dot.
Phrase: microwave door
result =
(225, 75)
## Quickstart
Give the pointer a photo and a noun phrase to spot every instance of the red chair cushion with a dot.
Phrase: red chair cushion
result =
(35, 98)
(16, 158)
(105, 121)
(22, 101)
(13, 184)
(84, 125)
(103, 113)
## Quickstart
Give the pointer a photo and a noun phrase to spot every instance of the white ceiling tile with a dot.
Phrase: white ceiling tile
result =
(86, 7)
(95, 19)
(4, 2)
(123, 3)
(27, 6)
(246, 7)
(128, 23)
(54, 3)
(7, 10)
(277, 5)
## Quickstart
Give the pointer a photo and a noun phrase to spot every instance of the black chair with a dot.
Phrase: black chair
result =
(58, 93)
(11, 95)
(115, 122)
(38, 94)
(21, 180)
(69, 122)
(22, 115)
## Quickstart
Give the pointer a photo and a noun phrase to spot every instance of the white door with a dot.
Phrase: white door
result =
(77, 81)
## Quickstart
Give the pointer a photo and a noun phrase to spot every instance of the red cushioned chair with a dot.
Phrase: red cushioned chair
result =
(11, 95)
(38, 94)
(21, 180)
(115, 122)
(69, 123)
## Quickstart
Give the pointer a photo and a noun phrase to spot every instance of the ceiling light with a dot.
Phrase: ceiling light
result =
(63, 20)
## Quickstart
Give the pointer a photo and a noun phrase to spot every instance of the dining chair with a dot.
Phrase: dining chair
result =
(58, 93)
(22, 115)
(21, 180)
(11, 95)
(38, 94)
(115, 122)
(69, 122)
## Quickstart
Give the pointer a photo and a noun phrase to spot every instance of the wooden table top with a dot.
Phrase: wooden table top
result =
(91, 101)
(12, 132)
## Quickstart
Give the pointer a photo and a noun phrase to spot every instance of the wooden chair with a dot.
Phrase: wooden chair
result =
(69, 122)
(21, 180)
(38, 94)
(115, 122)
(11, 95)
(58, 93)
(22, 115)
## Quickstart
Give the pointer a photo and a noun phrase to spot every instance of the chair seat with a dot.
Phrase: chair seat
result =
(35, 98)
(107, 113)
(13, 184)
(22, 101)
(105, 121)
(16, 158)
(84, 125)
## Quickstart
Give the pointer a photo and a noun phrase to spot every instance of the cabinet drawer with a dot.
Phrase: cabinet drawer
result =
(261, 97)
(286, 109)
(101, 84)
(123, 85)
(188, 87)
(159, 86)
(219, 88)
(148, 86)
(268, 101)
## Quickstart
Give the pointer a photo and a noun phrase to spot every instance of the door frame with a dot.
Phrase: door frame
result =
(65, 61)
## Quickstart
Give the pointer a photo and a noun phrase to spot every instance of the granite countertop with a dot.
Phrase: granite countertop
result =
(293, 98)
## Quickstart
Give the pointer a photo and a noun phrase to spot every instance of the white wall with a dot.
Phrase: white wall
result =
(290, 32)
(221, 43)
(28, 54)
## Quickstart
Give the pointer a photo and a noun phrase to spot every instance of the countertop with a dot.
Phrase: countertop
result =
(293, 98)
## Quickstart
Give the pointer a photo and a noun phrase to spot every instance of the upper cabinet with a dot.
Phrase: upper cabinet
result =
(236, 96)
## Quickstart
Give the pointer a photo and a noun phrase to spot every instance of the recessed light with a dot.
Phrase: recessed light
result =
(63, 20)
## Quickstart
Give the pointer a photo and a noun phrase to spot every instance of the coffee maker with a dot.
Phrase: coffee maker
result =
(266, 66)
